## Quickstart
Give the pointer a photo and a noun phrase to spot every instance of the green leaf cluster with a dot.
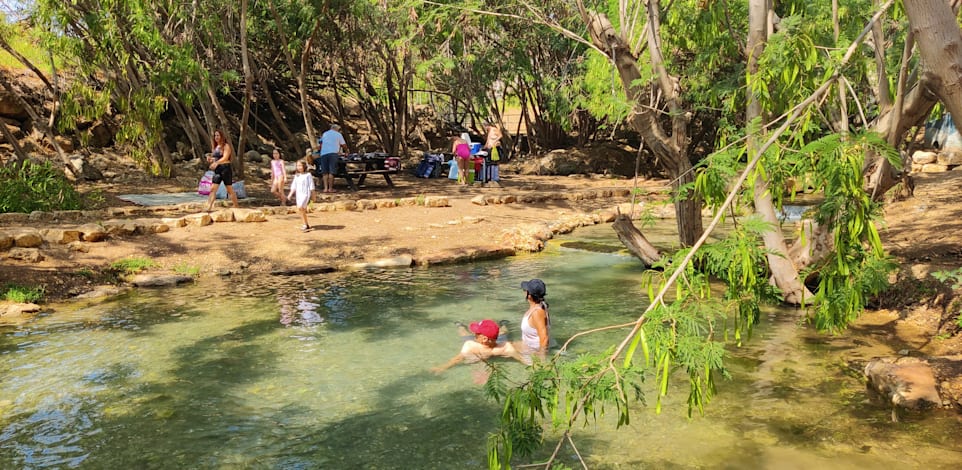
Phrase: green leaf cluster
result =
(561, 392)
(21, 294)
(857, 267)
(30, 186)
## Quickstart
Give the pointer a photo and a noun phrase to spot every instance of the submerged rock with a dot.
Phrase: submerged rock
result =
(158, 280)
(906, 382)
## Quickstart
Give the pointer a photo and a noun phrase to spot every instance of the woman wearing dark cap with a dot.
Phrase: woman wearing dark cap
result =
(535, 324)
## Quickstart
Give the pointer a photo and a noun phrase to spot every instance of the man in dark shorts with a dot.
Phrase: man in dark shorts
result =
(331, 144)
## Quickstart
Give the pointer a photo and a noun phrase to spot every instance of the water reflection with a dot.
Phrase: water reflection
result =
(299, 309)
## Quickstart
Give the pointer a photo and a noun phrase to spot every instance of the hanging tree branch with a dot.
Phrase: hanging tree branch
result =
(658, 299)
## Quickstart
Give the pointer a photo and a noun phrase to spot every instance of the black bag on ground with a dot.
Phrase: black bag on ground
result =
(430, 166)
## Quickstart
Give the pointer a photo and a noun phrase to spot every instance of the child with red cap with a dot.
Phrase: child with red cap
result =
(482, 347)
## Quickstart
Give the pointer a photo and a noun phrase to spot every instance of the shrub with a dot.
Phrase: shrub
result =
(21, 294)
(33, 186)
(131, 265)
(187, 269)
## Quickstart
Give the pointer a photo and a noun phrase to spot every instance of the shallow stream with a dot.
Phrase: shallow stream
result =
(332, 371)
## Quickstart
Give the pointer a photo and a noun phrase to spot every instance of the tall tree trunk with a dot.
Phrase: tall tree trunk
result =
(938, 49)
(297, 72)
(784, 273)
(670, 149)
(196, 146)
(302, 82)
(248, 93)
(936, 30)
(289, 143)
(219, 112)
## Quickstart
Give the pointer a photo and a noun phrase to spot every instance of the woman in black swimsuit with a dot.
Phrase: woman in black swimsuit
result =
(221, 155)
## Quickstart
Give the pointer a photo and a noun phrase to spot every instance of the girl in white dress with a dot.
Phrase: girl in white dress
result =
(303, 187)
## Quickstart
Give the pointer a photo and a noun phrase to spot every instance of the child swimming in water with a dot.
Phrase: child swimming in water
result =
(484, 346)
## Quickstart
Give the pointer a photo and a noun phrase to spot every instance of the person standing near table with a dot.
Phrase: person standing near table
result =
(462, 152)
(492, 143)
(331, 144)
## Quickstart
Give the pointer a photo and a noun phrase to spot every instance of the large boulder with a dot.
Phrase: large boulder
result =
(199, 220)
(12, 308)
(253, 156)
(905, 382)
(951, 157)
(6, 240)
(249, 215)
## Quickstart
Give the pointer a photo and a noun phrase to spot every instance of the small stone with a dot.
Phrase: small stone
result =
(30, 255)
(226, 215)
(922, 157)
(479, 200)
(934, 168)
(249, 215)
(28, 238)
(78, 246)
(92, 233)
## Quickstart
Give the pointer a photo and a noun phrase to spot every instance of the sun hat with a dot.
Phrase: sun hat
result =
(485, 327)
(535, 287)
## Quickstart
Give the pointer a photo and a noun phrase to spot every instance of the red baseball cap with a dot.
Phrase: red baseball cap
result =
(485, 327)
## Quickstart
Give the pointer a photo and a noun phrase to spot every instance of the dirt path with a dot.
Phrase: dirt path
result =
(338, 237)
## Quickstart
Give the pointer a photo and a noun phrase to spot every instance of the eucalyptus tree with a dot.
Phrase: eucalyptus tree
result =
(659, 112)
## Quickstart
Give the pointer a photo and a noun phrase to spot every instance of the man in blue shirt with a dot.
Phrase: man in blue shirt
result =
(331, 144)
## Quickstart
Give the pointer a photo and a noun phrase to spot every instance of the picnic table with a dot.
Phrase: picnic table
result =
(359, 165)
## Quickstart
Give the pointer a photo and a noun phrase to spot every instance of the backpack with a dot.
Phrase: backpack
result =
(429, 166)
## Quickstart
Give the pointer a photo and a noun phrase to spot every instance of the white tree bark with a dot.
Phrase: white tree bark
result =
(939, 40)
(784, 273)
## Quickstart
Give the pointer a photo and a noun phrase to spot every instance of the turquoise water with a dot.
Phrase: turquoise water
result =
(332, 371)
